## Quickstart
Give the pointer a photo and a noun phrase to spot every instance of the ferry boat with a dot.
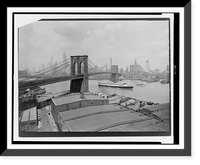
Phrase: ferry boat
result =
(115, 85)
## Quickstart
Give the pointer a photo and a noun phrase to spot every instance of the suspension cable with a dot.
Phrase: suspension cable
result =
(60, 65)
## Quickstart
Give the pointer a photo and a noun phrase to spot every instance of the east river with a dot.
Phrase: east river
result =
(155, 91)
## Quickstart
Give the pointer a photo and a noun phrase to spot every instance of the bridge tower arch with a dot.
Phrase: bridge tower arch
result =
(79, 85)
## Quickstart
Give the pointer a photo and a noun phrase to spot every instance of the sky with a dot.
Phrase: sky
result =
(124, 41)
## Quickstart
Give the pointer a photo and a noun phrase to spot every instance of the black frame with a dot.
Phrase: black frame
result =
(187, 151)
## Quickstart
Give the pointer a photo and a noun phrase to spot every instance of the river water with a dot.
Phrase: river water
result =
(154, 91)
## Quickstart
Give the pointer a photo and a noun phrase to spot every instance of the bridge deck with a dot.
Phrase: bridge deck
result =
(45, 81)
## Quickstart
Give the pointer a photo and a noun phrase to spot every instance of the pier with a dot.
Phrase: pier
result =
(93, 113)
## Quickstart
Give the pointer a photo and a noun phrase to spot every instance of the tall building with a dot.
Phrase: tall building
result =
(136, 69)
(33, 70)
(27, 70)
(127, 69)
(110, 63)
(42, 66)
(52, 61)
(121, 71)
(147, 66)
(106, 66)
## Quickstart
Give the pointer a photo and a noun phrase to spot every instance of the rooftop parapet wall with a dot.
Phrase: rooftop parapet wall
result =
(75, 101)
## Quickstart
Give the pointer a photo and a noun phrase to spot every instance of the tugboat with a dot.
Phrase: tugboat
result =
(115, 85)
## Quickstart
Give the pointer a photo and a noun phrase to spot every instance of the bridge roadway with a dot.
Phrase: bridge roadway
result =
(46, 81)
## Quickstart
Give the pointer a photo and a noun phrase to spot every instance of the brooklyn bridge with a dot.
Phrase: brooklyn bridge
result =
(81, 69)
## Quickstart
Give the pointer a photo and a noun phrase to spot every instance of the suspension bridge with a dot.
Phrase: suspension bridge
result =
(81, 68)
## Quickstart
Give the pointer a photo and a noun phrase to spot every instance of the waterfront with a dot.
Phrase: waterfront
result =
(154, 91)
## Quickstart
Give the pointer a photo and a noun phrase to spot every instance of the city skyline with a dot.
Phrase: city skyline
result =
(104, 67)
(122, 41)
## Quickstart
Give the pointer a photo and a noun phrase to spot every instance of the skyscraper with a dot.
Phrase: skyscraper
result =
(147, 66)
(42, 66)
(106, 66)
(127, 69)
(135, 68)
(121, 71)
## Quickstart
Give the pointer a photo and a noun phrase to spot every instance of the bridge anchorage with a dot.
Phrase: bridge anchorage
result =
(81, 68)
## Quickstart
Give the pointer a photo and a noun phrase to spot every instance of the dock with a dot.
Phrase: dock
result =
(89, 112)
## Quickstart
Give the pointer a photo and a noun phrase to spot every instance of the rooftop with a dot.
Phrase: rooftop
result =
(29, 114)
(25, 116)
(74, 98)
(102, 121)
(115, 118)
(33, 113)
(87, 111)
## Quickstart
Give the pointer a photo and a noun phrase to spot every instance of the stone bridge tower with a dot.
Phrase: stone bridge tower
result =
(79, 66)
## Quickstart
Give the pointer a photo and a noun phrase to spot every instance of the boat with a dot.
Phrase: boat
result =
(164, 81)
(140, 84)
(115, 85)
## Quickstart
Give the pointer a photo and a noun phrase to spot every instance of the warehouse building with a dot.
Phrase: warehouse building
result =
(28, 119)
(74, 101)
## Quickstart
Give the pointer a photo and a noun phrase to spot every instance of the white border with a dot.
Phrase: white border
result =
(164, 140)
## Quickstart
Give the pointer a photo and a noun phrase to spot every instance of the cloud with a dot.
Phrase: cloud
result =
(43, 43)
(124, 41)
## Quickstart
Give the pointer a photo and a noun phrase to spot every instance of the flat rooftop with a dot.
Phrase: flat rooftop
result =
(115, 118)
(25, 116)
(86, 111)
(74, 98)
(29, 114)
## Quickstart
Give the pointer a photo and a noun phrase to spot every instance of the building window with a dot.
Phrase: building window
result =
(32, 123)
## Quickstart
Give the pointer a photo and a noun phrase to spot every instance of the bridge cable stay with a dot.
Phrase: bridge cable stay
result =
(63, 63)
(93, 66)
(30, 82)
(50, 69)
(91, 62)
(58, 68)
(43, 70)
(93, 69)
